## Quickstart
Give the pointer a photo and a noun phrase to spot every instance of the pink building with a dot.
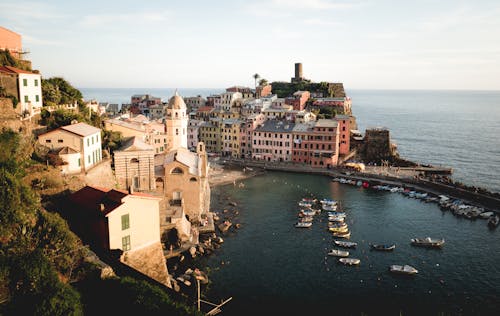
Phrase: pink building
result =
(344, 133)
(273, 141)
(341, 105)
(252, 122)
(316, 143)
(298, 100)
(11, 41)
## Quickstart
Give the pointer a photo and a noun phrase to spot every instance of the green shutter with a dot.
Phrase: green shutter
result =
(125, 221)
(25, 82)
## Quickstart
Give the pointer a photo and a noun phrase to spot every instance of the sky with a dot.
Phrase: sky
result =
(366, 44)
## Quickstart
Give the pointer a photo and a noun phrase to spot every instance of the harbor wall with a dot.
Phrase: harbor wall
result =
(473, 198)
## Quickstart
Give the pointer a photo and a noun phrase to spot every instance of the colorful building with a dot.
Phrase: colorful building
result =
(316, 143)
(298, 100)
(28, 90)
(273, 141)
(344, 133)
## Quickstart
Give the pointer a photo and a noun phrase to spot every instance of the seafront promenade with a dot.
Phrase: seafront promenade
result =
(376, 175)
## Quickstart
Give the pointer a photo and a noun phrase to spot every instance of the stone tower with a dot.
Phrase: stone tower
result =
(298, 73)
(176, 121)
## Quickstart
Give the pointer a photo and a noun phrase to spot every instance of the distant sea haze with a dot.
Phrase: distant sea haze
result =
(459, 129)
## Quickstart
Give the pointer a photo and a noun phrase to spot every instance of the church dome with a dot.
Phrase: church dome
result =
(176, 102)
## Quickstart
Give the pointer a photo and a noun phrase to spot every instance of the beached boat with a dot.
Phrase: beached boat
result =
(345, 235)
(383, 247)
(338, 253)
(303, 224)
(349, 261)
(406, 269)
(427, 242)
(345, 244)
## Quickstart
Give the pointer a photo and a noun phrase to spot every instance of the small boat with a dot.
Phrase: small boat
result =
(307, 212)
(345, 235)
(493, 221)
(305, 204)
(406, 269)
(339, 214)
(383, 247)
(310, 200)
(303, 224)
(336, 219)
(349, 261)
(306, 219)
(486, 215)
(338, 253)
(427, 242)
(327, 207)
(328, 202)
(339, 229)
(337, 225)
(345, 244)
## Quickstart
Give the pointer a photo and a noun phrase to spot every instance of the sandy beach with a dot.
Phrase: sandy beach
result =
(224, 174)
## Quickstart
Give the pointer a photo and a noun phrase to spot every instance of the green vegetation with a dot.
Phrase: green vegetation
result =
(57, 91)
(286, 89)
(128, 296)
(37, 250)
(6, 59)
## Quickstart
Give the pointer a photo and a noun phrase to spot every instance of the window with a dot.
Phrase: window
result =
(37, 98)
(36, 83)
(88, 142)
(92, 140)
(48, 141)
(60, 141)
(88, 158)
(176, 131)
(79, 163)
(177, 171)
(26, 99)
(126, 243)
(25, 82)
(125, 221)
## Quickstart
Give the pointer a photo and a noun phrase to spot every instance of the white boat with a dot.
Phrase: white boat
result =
(303, 224)
(305, 204)
(327, 207)
(337, 225)
(335, 219)
(427, 242)
(307, 212)
(349, 261)
(328, 202)
(406, 269)
(486, 215)
(345, 244)
(341, 214)
(306, 219)
(338, 253)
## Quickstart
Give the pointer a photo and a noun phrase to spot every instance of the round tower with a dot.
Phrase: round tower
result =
(176, 121)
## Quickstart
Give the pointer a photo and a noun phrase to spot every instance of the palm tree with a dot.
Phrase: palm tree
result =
(256, 77)
(263, 82)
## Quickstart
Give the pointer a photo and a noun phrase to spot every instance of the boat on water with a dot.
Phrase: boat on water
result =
(339, 229)
(338, 253)
(328, 202)
(493, 221)
(345, 235)
(310, 200)
(342, 214)
(303, 224)
(345, 244)
(306, 219)
(427, 242)
(305, 204)
(327, 207)
(336, 219)
(486, 215)
(338, 225)
(307, 212)
(406, 269)
(349, 261)
(383, 247)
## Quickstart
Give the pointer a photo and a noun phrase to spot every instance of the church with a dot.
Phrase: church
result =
(185, 176)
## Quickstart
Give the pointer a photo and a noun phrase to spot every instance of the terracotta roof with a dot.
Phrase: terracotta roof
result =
(135, 144)
(92, 198)
(16, 70)
(205, 109)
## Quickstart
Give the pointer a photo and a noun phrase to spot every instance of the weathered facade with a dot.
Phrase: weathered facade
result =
(134, 165)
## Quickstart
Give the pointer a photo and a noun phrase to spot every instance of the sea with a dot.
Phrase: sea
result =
(269, 267)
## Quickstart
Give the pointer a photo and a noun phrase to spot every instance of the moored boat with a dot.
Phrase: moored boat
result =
(337, 225)
(383, 247)
(345, 244)
(303, 224)
(427, 242)
(338, 253)
(339, 229)
(345, 235)
(406, 269)
(349, 261)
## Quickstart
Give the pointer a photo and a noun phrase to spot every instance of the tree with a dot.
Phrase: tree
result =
(263, 82)
(256, 77)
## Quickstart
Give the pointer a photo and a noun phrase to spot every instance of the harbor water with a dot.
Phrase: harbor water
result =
(268, 265)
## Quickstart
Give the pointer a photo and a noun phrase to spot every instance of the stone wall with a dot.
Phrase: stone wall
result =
(377, 146)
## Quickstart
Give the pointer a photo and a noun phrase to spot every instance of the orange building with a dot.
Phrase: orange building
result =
(298, 100)
(344, 133)
(11, 41)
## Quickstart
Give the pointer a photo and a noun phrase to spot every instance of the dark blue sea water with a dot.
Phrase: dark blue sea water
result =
(272, 268)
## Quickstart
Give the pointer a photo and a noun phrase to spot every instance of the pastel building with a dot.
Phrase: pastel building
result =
(273, 141)
(344, 127)
(79, 138)
(251, 123)
(176, 122)
(11, 41)
(230, 137)
(316, 143)
(28, 90)
(298, 100)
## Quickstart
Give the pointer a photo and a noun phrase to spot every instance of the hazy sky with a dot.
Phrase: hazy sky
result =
(380, 44)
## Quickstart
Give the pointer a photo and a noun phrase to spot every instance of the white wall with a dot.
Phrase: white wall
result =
(92, 152)
(144, 219)
(30, 90)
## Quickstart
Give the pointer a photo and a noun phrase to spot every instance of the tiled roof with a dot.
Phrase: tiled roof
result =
(91, 198)
(81, 129)
(135, 144)
(276, 126)
(326, 123)
(10, 69)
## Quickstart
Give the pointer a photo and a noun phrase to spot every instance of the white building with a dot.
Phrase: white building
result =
(176, 123)
(80, 137)
(29, 86)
